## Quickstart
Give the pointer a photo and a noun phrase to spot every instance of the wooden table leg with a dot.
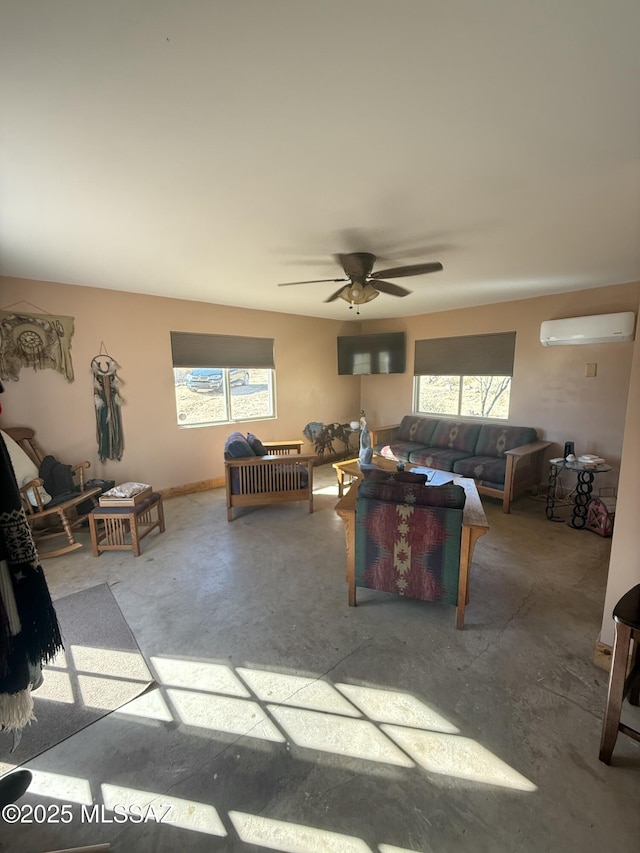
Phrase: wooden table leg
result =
(160, 515)
(133, 531)
(463, 575)
(470, 536)
(94, 536)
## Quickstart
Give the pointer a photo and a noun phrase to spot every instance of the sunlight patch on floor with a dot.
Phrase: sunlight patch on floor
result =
(391, 706)
(366, 723)
(224, 714)
(102, 693)
(70, 789)
(326, 490)
(149, 705)
(56, 687)
(459, 757)
(118, 664)
(296, 690)
(339, 735)
(293, 837)
(210, 677)
(181, 813)
(392, 727)
(185, 814)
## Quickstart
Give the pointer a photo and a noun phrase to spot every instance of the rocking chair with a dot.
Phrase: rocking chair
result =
(60, 515)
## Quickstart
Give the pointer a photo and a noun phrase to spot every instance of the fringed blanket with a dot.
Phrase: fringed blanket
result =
(29, 631)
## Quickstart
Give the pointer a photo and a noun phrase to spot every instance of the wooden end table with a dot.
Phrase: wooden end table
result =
(121, 528)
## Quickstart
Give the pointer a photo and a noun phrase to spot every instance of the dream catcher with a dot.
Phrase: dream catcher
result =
(40, 341)
(106, 395)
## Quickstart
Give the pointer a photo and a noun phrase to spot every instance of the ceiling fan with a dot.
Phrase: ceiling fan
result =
(362, 284)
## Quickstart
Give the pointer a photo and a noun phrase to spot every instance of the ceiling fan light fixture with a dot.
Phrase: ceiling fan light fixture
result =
(370, 292)
(344, 293)
(357, 294)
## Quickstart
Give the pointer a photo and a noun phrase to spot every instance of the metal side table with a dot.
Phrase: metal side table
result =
(586, 474)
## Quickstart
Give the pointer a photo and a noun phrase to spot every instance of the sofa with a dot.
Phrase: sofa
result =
(504, 461)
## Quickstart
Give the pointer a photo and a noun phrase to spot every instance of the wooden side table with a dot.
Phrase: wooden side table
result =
(283, 448)
(121, 528)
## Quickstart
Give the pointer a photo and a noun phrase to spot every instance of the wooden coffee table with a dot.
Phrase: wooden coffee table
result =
(348, 468)
(348, 472)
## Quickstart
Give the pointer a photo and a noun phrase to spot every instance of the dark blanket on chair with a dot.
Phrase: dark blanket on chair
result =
(58, 482)
(56, 476)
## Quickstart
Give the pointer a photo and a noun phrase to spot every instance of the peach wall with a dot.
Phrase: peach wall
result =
(550, 389)
(624, 566)
(135, 330)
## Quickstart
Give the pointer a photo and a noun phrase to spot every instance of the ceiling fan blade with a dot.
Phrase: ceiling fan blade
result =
(414, 269)
(391, 289)
(357, 264)
(313, 281)
(335, 295)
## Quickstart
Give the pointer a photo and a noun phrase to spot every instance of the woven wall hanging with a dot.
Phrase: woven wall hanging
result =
(39, 341)
(107, 399)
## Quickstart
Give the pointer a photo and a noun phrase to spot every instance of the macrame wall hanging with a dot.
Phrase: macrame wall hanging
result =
(106, 395)
(39, 341)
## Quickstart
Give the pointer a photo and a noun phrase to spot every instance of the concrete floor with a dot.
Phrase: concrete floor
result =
(310, 726)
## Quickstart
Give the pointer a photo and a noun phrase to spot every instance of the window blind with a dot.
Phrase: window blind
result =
(191, 349)
(469, 355)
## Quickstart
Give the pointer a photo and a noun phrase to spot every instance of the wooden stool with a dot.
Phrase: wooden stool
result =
(124, 526)
(626, 614)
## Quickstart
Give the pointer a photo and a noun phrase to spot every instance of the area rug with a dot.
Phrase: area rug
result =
(100, 670)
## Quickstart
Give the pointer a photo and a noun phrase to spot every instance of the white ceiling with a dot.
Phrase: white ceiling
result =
(209, 149)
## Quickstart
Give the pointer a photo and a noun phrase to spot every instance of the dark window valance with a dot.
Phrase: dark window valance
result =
(469, 355)
(191, 349)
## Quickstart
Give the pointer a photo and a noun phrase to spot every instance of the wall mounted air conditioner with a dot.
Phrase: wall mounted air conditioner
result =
(596, 329)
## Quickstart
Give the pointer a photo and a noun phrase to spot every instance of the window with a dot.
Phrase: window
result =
(471, 396)
(222, 378)
(467, 376)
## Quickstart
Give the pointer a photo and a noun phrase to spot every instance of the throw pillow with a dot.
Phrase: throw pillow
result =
(449, 496)
(379, 476)
(45, 497)
(414, 494)
(256, 445)
(237, 446)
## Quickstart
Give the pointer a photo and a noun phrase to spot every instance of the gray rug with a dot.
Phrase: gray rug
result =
(100, 670)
